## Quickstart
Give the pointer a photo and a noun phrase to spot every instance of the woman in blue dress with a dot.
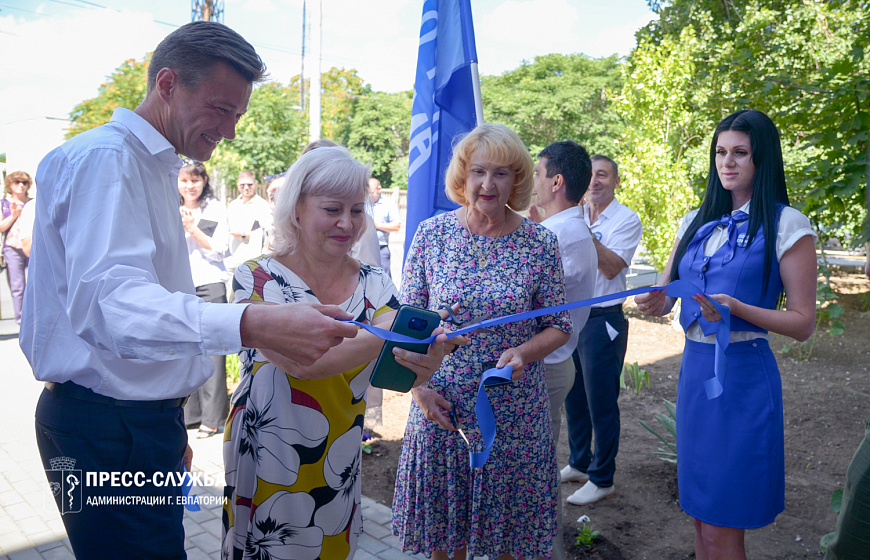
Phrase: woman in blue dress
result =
(743, 247)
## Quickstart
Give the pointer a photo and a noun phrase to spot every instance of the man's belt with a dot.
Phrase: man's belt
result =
(70, 390)
(598, 311)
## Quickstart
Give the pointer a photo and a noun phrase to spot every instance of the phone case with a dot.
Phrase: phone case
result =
(413, 322)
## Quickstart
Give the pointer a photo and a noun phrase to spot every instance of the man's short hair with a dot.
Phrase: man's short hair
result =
(246, 174)
(599, 157)
(570, 160)
(320, 143)
(193, 49)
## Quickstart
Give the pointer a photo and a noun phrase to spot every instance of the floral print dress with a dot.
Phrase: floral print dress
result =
(292, 446)
(509, 505)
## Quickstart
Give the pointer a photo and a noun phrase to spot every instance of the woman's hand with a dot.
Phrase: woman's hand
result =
(188, 458)
(708, 310)
(434, 407)
(456, 341)
(424, 365)
(187, 220)
(654, 304)
(513, 357)
(15, 208)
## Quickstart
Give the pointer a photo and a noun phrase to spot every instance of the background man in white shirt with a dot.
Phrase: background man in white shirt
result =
(111, 322)
(250, 217)
(387, 221)
(561, 178)
(591, 405)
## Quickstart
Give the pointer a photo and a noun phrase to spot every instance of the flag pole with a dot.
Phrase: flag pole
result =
(478, 100)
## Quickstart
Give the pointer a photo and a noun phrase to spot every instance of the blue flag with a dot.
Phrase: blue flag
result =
(446, 105)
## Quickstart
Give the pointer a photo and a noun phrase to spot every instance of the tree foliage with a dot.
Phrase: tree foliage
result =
(379, 135)
(805, 65)
(341, 90)
(126, 88)
(661, 125)
(557, 97)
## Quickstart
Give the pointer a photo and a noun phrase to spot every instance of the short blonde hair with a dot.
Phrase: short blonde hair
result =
(328, 171)
(503, 147)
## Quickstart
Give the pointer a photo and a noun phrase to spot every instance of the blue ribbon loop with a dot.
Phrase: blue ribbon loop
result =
(485, 417)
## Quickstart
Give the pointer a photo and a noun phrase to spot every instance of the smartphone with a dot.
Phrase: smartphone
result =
(411, 321)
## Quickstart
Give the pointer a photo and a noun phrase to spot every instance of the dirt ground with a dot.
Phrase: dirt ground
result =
(826, 401)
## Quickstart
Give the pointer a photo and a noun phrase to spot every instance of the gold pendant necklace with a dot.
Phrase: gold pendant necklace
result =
(482, 257)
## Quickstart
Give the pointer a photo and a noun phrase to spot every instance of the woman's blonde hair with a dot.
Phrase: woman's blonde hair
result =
(18, 176)
(330, 171)
(501, 146)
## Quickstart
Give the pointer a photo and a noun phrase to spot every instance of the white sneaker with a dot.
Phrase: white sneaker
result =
(570, 474)
(589, 494)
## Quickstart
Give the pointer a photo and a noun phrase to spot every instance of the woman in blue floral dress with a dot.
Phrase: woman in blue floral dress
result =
(493, 262)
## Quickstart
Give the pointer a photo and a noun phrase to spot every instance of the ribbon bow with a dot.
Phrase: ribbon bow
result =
(705, 231)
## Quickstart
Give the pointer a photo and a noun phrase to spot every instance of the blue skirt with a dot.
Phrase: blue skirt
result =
(730, 450)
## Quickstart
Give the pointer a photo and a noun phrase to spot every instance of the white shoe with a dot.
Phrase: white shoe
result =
(570, 474)
(589, 494)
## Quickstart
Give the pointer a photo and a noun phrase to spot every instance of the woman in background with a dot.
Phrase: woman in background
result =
(743, 246)
(206, 232)
(17, 188)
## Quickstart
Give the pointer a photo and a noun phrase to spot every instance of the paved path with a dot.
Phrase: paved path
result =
(30, 530)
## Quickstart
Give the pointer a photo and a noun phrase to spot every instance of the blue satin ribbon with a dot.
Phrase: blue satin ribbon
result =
(485, 417)
(190, 498)
(497, 376)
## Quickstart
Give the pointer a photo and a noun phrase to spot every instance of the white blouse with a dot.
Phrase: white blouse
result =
(792, 226)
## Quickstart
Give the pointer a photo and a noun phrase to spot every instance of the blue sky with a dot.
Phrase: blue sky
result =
(56, 53)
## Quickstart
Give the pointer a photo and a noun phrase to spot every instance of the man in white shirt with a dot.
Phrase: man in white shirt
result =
(111, 322)
(591, 405)
(387, 221)
(562, 176)
(250, 217)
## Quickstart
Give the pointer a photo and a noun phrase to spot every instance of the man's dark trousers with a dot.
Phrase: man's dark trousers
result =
(107, 439)
(591, 405)
(385, 260)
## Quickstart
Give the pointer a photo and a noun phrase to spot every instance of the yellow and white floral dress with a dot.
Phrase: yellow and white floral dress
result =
(292, 446)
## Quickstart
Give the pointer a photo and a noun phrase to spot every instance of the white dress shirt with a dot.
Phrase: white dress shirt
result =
(109, 303)
(580, 263)
(619, 229)
(242, 216)
(207, 265)
(792, 226)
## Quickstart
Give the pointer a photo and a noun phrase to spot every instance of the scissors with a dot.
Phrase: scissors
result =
(474, 319)
(455, 422)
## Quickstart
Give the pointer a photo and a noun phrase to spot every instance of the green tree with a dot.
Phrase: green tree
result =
(557, 97)
(126, 88)
(379, 135)
(657, 105)
(341, 90)
(804, 64)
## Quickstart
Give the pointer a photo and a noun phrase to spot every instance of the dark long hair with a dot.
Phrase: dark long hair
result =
(207, 194)
(768, 186)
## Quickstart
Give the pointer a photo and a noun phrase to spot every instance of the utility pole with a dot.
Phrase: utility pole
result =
(314, 93)
(302, 71)
(207, 10)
